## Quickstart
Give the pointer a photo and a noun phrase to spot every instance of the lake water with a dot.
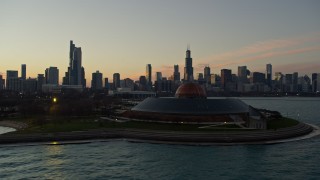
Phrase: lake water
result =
(124, 160)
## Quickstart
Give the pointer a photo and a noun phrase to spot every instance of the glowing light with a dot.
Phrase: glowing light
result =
(54, 143)
(54, 100)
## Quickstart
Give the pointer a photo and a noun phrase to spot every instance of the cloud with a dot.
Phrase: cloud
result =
(302, 68)
(265, 49)
(270, 55)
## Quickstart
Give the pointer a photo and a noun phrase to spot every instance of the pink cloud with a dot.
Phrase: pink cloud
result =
(270, 48)
(270, 55)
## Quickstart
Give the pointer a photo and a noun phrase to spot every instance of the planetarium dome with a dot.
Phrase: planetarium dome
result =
(191, 90)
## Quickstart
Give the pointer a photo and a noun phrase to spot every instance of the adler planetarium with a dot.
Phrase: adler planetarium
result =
(191, 106)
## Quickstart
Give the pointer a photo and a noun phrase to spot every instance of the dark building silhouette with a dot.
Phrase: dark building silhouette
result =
(142, 83)
(188, 69)
(257, 77)
(2, 83)
(23, 71)
(96, 82)
(269, 75)
(13, 82)
(242, 74)
(106, 84)
(158, 76)
(207, 75)
(226, 77)
(30, 85)
(176, 73)
(116, 80)
(52, 75)
(314, 78)
(40, 81)
(75, 74)
(149, 74)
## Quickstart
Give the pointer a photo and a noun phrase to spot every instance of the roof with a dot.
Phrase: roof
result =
(190, 90)
(192, 106)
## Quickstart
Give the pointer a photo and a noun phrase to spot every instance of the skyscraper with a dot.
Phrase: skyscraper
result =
(314, 78)
(1, 83)
(106, 83)
(158, 76)
(96, 82)
(75, 74)
(295, 82)
(149, 74)
(176, 73)
(13, 83)
(116, 80)
(52, 75)
(23, 71)
(242, 74)
(226, 77)
(41, 81)
(188, 69)
(269, 74)
(207, 75)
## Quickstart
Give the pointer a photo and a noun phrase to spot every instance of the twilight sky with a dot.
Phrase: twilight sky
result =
(124, 35)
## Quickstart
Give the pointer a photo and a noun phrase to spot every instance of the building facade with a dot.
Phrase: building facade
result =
(52, 75)
(96, 82)
(75, 74)
(269, 75)
(188, 69)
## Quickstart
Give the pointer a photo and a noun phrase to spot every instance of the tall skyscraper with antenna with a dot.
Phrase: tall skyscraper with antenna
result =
(188, 69)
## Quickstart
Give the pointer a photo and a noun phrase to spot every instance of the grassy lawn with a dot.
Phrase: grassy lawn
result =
(67, 124)
(281, 123)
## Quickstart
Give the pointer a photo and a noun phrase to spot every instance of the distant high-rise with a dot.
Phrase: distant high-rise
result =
(96, 82)
(23, 71)
(176, 73)
(226, 77)
(314, 78)
(269, 75)
(2, 82)
(257, 77)
(116, 80)
(75, 73)
(200, 77)
(242, 74)
(142, 83)
(40, 82)
(30, 85)
(158, 76)
(207, 74)
(10, 75)
(318, 82)
(106, 83)
(188, 69)
(52, 75)
(13, 83)
(295, 82)
(149, 74)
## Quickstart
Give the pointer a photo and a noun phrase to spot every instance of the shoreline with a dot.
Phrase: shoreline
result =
(298, 132)
(13, 124)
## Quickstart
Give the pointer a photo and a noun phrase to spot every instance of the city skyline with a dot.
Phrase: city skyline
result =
(264, 33)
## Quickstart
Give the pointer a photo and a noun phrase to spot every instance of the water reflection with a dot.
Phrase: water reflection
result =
(55, 161)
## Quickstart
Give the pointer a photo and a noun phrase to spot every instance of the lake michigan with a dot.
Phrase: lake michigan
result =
(119, 159)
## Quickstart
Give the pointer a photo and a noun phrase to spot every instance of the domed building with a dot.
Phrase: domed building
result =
(190, 90)
(191, 105)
